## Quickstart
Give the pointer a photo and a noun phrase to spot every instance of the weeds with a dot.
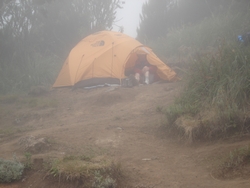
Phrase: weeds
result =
(41, 102)
(218, 82)
(237, 158)
(182, 42)
(103, 182)
(233, 163)
(54, 171)
(35, 70)
(28, 162)
(218, 76)
(10, 170)
(98, 174)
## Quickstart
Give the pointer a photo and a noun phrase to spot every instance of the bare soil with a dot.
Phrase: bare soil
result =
(121, 124)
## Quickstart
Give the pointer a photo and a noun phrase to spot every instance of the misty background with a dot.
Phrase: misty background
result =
(37, 35)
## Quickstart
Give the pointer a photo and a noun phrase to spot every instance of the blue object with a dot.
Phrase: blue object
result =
(240, 38)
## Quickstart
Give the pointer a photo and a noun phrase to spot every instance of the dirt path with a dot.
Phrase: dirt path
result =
(122, 124)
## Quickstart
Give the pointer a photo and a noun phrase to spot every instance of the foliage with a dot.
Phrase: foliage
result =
(98, 174)
(220, 83)
(40, 102)
(216, 81)
(33, 72)
(237, 158)
(10, 170)
(182, 106)
(28, 162)
(210, 33)
(159, 18)
(234, 164)
(154, 22)
(37, 35)
(103, 182)
(54, 25)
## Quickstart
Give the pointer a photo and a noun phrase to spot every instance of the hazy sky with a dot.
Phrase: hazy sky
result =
(128, 17)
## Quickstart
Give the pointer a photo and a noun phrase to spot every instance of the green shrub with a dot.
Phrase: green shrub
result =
(218, 82)
(237, 158)
(233, 165)
(34, 71)
(96, 174)
(28, 161)
(183, 41)
(103, 182)
(216, 76)
(10, 170)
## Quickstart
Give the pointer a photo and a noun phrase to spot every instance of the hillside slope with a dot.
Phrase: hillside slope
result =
(122, 124)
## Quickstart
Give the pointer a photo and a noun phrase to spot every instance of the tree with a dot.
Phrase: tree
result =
(31, 29)
(159, 16)
(154, 20)
(54, 22)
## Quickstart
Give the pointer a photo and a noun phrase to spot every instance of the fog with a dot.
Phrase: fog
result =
(128, 17)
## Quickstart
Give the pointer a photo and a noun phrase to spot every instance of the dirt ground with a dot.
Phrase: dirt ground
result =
(121, 124)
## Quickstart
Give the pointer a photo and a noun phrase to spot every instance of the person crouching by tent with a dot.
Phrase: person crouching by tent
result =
(144, 72)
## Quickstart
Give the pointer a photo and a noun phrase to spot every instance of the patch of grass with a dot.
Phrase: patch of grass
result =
(238, 157)
(10, 170)
(95, 173)
(180, 108)
(28, 162)
(216, 76)
(54, 170)
(233, 164)
(33, 70)
(219, 82)
(103, 182)
(211, 123)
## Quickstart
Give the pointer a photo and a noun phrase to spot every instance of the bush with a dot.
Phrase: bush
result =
(103, 182)
(216, 93)
(181, 42)
(35, 71)
(235, 164)
(10, 170)
(217, 82)
(237, 157)
(96, 174)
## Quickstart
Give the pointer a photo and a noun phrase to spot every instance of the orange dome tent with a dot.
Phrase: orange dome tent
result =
(103, 57)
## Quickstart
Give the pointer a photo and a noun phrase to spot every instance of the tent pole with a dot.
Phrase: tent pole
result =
(78, 69)
(112, 59)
